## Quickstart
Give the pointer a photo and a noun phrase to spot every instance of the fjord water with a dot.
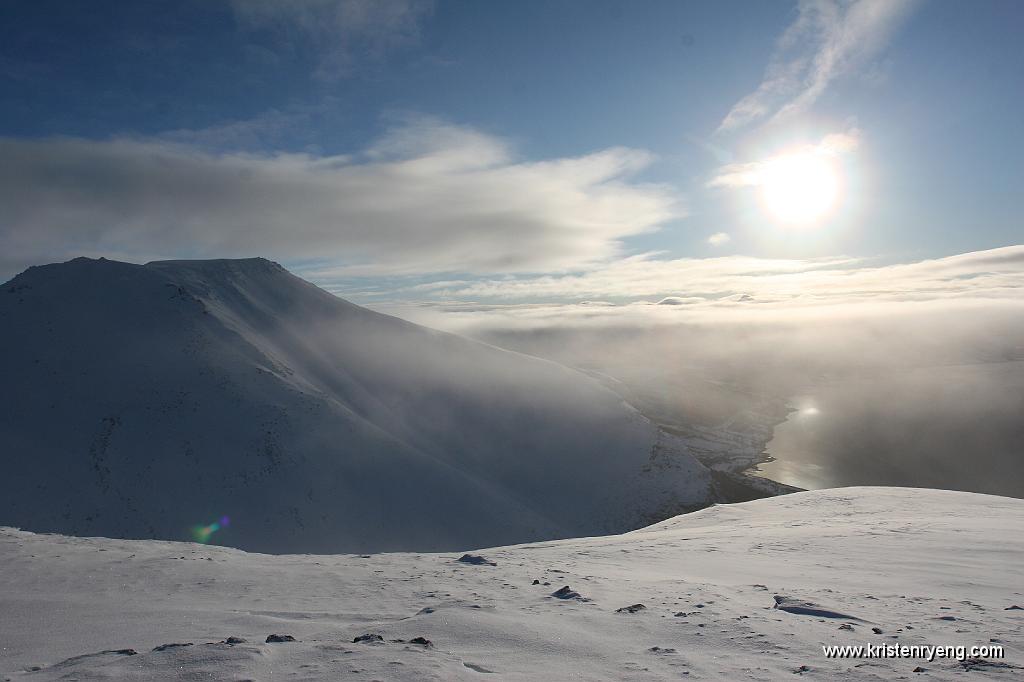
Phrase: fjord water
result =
(955, 427)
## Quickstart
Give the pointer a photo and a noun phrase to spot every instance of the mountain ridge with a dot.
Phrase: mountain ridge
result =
(148, 399)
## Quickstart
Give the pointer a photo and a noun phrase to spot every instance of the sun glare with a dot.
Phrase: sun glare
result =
(800, 188)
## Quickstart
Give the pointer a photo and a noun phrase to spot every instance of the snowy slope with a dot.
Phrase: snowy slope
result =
(922, 566)
(142, 401)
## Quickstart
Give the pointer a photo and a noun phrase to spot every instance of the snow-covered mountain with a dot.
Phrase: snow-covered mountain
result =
(749, 591)
(142, 401)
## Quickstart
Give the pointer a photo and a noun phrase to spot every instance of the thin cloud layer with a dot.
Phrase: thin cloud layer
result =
(827, 40)
(340, 31)
(739, 282)
(427, 198)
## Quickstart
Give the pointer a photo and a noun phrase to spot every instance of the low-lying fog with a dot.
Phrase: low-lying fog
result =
(958, 426)
(909, 394)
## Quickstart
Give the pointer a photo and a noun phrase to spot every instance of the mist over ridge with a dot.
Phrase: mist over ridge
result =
(145, 400)
(915, 393)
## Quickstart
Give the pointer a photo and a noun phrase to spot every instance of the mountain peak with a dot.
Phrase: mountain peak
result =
(205, 269)
(188, 391)
(255, 263)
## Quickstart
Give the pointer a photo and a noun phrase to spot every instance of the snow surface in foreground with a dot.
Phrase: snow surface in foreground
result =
(923, 566)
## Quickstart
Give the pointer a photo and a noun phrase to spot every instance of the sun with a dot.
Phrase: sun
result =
(800, 188)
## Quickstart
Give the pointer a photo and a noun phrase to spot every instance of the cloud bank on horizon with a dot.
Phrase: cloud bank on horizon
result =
(645, 291)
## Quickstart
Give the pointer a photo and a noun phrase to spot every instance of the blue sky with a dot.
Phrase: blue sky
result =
(381, 148)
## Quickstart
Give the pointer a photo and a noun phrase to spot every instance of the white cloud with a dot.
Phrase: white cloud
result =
(752, 174)
(342, 31)
(827, 40)
(719, 239)
(427, 198)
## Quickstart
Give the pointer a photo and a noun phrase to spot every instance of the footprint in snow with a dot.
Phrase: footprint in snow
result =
(172, 645)
(661, 650)
(77, 659)
(421, 641)
(975, 663)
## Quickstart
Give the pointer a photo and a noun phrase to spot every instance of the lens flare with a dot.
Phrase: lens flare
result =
(202, 534)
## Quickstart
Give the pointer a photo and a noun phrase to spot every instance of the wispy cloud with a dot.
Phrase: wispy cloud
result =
(719, 239)
(342, 31)
(426, 198)
(828, 39)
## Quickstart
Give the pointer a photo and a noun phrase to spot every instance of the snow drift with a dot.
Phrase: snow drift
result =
(140, 401)
(691, 598)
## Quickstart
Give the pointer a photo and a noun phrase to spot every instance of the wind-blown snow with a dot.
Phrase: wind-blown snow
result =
(693, 597)
(141, 401)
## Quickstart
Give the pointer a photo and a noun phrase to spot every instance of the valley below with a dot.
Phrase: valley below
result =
(954, 426)
(372, 499)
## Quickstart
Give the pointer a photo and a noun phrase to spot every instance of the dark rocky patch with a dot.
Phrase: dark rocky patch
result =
(422, 641)
(368, 638)
(568, 593)
(476, 560)
(632, 608)
(279, 638)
